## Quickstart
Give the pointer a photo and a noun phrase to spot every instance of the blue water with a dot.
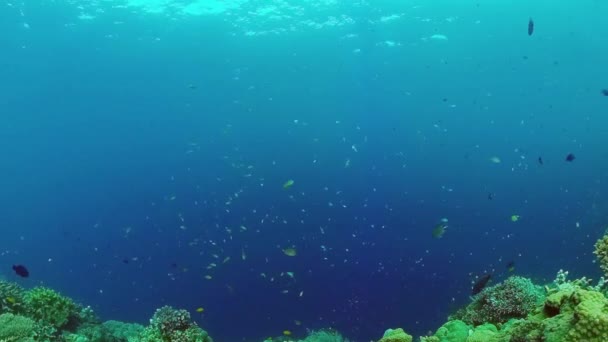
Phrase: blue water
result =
(136, 144)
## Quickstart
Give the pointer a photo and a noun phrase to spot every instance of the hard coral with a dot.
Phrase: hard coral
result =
(590, 317)
(396, 335)
(168, 320)
(601, 252)
(16, 328)
(516, 297)
(11, 297)
(324, 336)
(452, 331)
(169, 324)
(49, 307)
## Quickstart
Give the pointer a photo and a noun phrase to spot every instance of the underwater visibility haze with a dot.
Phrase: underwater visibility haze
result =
(278, 167)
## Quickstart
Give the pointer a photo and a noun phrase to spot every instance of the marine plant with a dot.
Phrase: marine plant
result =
(516, 297)
(49, 307)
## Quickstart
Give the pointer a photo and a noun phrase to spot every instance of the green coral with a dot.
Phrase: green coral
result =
(126, 332)
(601, 252)
(483, 333)
(452, 331)
(324, 336)
(396, 335)
(11, 297)
(48, 306)
(16, 328)
(516, 297)
(590, 317)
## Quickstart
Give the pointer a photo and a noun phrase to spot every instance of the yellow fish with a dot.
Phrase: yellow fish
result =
(200, 310)
(514, 218)
(286, 332)
(292, 252)
(288, 184)
(11, 300)
(439, 230)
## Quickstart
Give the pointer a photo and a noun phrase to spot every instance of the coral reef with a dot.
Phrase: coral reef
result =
(515, 310)
(42, 314)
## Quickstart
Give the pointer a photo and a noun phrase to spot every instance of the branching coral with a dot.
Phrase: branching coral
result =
(16, 328)
(11, 297)
(49, 307)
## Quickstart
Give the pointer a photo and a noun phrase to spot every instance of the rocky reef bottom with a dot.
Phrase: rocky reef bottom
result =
(516, 310)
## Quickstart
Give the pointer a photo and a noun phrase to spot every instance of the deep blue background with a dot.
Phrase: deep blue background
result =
(102, 124)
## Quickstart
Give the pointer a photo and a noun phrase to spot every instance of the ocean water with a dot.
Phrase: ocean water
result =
(146, 144)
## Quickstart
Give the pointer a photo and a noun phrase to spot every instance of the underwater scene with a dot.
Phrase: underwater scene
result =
(303, 170)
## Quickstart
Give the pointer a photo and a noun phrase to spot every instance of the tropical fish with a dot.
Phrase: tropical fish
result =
(286, 332)
(511, 266)
(439, 230)
(481, 283)
(288, 184)
(292, 252)
(200, 310)
(514, 218)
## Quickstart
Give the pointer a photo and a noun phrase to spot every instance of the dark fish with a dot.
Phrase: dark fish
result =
(605, 92)
(570, 157)
(21, 271)
(125, 260)
(490, 196)
(481, 283)
(530, 27)
(540, 160)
